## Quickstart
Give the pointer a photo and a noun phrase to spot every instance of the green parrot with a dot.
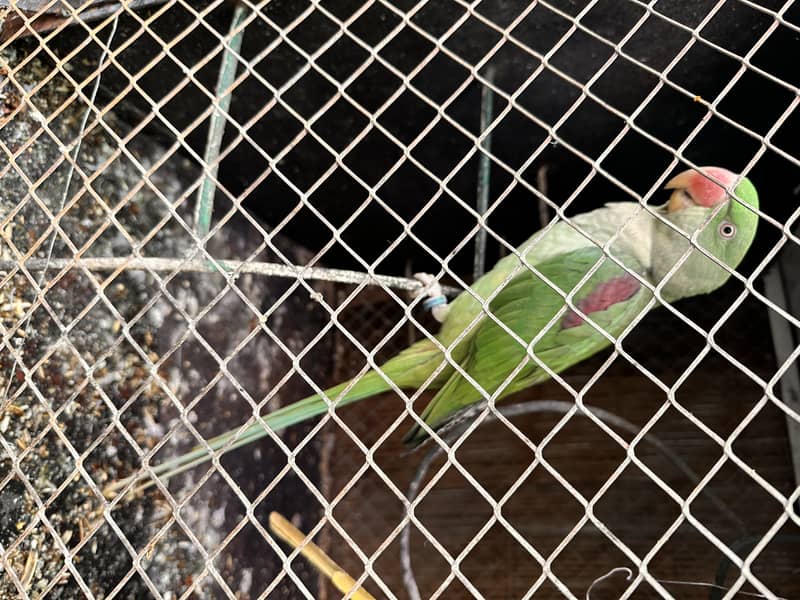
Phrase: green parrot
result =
(570, 305)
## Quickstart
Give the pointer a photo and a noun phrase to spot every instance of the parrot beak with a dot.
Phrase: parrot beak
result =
(680, 198)
(696, 188)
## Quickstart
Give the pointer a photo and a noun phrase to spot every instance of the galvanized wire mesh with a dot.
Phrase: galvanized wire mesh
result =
(135, 325)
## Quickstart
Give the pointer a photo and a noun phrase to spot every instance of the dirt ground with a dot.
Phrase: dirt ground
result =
(99, 367)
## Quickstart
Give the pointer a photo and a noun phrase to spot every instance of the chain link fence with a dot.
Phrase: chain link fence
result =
(211, 210)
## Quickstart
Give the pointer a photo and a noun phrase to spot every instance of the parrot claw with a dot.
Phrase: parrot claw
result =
(436, 301)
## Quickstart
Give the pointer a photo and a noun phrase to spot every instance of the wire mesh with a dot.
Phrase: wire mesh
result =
(212, 209)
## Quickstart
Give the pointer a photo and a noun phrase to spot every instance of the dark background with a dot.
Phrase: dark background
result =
(149, 87)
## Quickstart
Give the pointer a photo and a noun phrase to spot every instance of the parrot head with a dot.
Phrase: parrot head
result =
(725, 227)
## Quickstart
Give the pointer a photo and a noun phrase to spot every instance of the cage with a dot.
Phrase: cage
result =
(213, 209)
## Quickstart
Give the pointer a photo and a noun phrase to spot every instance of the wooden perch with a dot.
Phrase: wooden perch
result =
(314, 554)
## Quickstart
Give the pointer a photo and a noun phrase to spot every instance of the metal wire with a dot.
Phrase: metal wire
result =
(164, 272)
(171, 265)
(227, 74)
(484, 176)
(23, 584)
(540, 406)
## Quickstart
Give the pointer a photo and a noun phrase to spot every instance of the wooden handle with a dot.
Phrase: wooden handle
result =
(314, 554)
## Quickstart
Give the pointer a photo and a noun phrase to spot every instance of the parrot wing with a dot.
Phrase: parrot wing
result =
(611, 298)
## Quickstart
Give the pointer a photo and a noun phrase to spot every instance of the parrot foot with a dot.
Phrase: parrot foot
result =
(436, 301)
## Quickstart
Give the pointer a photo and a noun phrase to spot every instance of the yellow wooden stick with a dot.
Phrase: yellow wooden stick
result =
(314, 554)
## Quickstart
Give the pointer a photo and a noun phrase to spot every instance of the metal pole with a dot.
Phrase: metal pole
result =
(484, 173)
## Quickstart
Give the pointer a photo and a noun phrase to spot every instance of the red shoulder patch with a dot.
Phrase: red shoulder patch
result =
(602, 297)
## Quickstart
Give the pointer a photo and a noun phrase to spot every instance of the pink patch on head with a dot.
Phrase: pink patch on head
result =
(603, 296)
(707, 193)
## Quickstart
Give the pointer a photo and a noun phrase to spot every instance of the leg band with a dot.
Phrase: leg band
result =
(435, 301)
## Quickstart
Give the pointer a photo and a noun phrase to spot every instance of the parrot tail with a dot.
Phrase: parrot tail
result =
(410, 368)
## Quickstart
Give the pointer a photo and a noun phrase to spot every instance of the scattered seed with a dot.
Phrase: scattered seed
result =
(29, 570)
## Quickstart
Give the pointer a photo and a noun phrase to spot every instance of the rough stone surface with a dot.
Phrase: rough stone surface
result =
(79, 398)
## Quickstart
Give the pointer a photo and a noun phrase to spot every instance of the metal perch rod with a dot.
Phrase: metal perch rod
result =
(202, 266)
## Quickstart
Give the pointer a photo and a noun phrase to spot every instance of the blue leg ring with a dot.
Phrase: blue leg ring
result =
(435, 301)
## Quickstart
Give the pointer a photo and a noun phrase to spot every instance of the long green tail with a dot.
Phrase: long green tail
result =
(409, 369)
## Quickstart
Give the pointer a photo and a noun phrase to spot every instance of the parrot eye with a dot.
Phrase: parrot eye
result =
(727, 230)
